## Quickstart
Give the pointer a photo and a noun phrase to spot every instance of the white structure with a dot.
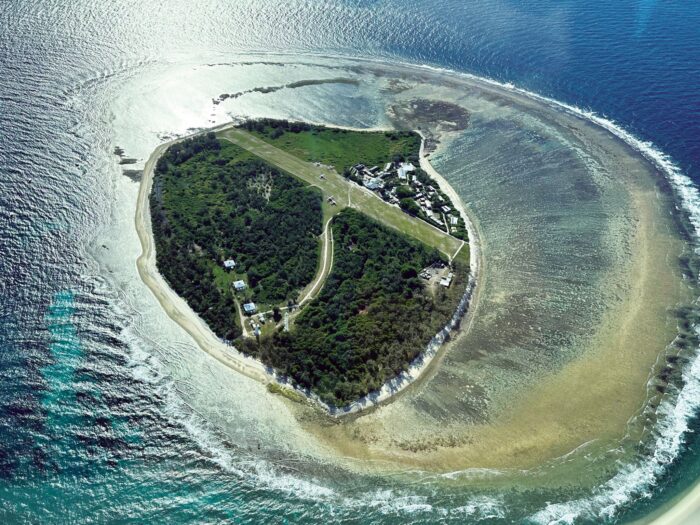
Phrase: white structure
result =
(373, 183)
(446, 281)
(229, 264)
(239, 286)
(404, 170)
(250, 308)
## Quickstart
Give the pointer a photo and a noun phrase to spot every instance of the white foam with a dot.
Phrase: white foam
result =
(387, 501)
(636, 481)
(481, 508)
(255, 470)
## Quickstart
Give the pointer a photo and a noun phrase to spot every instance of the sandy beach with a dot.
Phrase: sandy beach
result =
(685, 511)
(174, 305)
(588, 402)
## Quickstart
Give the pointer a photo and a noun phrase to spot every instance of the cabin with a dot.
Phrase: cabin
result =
(446, 281)
(250, 308)
(454, 220)
(239, 285)
(229, 264)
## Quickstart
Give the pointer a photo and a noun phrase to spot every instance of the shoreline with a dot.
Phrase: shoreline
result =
(684, 511)
(682, 192)
(179, 311)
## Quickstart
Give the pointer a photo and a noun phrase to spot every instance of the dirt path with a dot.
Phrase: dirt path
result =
(241, 318)
(325, 267)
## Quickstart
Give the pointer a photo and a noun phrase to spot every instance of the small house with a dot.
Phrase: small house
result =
(239, 285)
(446, 281)
(454, 220)
(229, 264)
(250, 308)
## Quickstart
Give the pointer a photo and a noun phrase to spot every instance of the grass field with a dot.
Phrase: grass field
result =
(342, 148)
(345, 193)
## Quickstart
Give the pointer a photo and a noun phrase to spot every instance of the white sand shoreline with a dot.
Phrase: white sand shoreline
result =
(180, 312)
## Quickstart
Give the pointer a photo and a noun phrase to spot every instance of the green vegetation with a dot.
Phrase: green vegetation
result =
(335, 147)
(371, 319)
(213, 201)
(345, 193)
(344, 149)
(289, 393)
(437, 198)
(366, 315)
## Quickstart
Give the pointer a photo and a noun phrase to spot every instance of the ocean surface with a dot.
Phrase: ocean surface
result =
(107, 413)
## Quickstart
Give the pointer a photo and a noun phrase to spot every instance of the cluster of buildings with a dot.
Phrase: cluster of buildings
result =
(437, 271)
(249, 308)
(396, 179)
(375, 179)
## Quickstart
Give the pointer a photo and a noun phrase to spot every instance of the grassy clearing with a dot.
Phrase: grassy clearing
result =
(342, 148)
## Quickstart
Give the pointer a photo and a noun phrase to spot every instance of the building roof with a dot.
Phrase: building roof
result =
(239, 285)
(404, 168)
(249, 307)
(374, 183)
(229, 263)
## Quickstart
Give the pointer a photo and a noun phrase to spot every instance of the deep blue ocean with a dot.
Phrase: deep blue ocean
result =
(90, 429)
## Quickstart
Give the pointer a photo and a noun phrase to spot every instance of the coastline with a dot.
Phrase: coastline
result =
(179, 311)
(176, 307)
(685, 511)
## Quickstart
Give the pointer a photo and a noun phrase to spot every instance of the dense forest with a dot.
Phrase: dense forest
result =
(213, 201)
(370, 320)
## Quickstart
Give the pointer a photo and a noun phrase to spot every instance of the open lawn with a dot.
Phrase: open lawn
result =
(343, 148)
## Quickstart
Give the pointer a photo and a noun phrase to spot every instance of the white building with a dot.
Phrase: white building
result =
(404, 169)
(446, 281)
(229, 264)
(239, 286)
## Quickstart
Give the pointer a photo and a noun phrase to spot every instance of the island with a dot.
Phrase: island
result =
(327, 254)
